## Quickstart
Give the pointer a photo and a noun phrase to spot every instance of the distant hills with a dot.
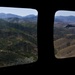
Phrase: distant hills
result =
(63, 21)
(3, 15)
(66, 19)
(8, 17)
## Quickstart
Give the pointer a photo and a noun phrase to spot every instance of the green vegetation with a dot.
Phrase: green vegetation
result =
(18, 43)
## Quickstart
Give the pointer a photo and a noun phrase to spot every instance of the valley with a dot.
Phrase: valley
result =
(64, 38)
(18, 40)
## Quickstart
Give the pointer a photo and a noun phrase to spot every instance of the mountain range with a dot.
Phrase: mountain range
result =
(66, 19)
(18, 39)
(8, 17)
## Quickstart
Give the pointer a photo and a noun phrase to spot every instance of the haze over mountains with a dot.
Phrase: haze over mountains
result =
(62, 21)
(66, 19)
(31, 17)
(9, 15)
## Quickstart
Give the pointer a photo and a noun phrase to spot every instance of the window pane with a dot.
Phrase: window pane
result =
(18, 36)
(64, 34)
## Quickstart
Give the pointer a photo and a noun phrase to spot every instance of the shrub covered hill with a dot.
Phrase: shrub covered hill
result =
(18, 41)
(64, 38)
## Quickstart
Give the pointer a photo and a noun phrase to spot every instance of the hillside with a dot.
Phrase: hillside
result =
(64, 41)
(18, 42)
(66, 52)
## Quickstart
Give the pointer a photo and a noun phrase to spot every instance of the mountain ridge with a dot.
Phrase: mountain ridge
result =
(14, 15)
(18, 19)
(66, 19)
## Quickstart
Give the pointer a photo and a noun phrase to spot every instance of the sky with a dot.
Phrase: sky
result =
(18, 11)
(65, 13)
